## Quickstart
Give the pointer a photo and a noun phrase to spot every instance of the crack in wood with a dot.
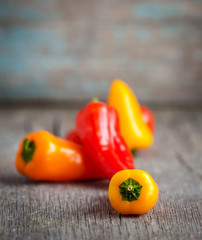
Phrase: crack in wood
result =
(120, 218)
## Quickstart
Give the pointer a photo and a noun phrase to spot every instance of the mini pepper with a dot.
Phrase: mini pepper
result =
(134, 130)
(133, 192)
(43, 156)
(147, 117)
(73, 136)
(98, 128)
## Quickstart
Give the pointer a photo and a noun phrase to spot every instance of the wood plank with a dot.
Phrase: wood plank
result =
(82, 210)
(67, 50)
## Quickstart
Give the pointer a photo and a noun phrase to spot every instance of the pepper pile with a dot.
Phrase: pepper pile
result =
(99, 147)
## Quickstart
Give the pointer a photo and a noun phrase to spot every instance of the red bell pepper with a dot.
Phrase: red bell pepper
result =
(73, 136)
(98, 128)
(148, 117)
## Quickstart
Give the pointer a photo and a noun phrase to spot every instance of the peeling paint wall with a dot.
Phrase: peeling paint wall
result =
(73, 49)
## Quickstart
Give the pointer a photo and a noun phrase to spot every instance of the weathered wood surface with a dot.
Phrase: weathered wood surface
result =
(40, 210)
(64, 50)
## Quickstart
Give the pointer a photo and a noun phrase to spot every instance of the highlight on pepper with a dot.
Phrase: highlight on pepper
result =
(133, 191)
(97, 126)
(43, 156)
(135, 131)
(147, 117)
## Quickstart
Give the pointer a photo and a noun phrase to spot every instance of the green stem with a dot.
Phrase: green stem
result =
(28, 150)
(95, 100)
(134, 152)
(130, 190)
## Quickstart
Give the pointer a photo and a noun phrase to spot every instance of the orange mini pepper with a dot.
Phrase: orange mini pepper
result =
(133, 192)
(43, 156)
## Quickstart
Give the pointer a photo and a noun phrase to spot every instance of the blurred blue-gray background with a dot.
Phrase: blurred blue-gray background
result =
(71, 50)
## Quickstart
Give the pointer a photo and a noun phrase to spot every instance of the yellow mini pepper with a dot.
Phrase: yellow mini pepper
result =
(132, 127)
(133, 191)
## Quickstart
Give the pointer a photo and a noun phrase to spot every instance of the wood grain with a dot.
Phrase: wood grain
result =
(81, 210)
(64, 50)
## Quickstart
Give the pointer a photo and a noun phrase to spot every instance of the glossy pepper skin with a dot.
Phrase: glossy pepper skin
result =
(134, 130)
(43, 156)
(147, 117)
(98, 128)
(133, 192)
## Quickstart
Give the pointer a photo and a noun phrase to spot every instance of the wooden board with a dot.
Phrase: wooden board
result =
(40, 210)
(72, 50)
